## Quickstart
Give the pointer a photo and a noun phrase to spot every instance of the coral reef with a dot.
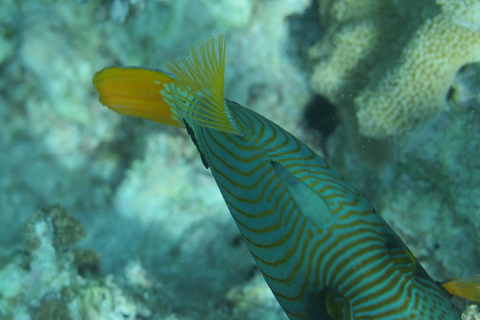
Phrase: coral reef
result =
(152, 212)
(52, 310)
(157, 227)
(62, 227)
(402, 73)
(392, 74)
(87, 261)
(472, 313)
(254, 300)
(417, 86)
(45, 284)
(465, 89)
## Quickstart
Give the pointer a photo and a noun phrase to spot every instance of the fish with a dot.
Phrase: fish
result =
(322, 248)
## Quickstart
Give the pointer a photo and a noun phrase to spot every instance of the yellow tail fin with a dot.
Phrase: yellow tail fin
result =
(136, 92)
(193, 92)
(466, 287)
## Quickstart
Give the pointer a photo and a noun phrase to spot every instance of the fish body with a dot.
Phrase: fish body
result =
(321, 247)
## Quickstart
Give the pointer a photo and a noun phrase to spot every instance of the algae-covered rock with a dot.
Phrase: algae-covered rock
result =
(87, 261)
(55, 222)
(53, 282)
(105, 301)
(52, 310)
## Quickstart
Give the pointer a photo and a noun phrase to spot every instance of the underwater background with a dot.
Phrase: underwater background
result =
(108, 217)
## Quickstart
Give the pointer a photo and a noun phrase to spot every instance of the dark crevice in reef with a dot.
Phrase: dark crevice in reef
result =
(304, 31)
(321, 115)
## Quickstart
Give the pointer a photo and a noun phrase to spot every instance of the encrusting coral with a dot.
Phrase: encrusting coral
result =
(394, 67)
(472, 313)
(417, 87)
(52, 281)
(64, 228)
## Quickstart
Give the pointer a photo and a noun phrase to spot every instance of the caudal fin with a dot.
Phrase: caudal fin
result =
(136, 92)
(466, 287)
(194, 92)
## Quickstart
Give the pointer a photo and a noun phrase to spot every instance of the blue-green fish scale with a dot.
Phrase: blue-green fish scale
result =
(347, 254)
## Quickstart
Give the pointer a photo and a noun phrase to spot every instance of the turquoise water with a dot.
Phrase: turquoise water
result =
(159, 242)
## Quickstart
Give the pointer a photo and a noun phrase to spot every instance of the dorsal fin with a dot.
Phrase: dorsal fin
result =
(199, 95)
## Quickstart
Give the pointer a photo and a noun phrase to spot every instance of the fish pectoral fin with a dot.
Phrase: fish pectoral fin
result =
(466, 287)
(310, 204)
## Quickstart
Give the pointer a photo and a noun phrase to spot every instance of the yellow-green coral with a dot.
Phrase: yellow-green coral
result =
(392, 65)
(362, 39)
(418, 85)
(345, 10)
(340, 59)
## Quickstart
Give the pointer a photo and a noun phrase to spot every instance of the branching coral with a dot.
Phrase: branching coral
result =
(393, 76)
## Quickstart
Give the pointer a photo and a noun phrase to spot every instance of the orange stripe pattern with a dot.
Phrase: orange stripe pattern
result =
(322, 248)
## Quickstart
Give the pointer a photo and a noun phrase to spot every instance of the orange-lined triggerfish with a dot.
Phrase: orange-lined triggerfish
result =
(320, 245)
